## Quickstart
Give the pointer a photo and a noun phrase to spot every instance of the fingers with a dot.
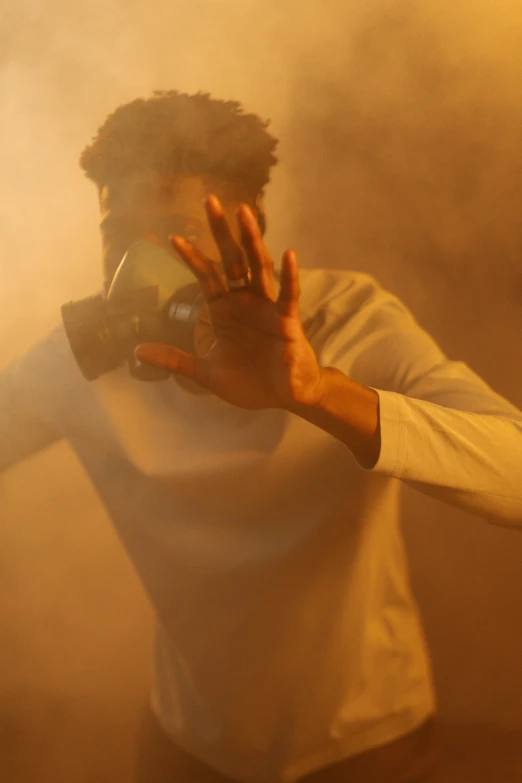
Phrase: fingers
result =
(210, 281)
(290, 291)
(233, 257)
(172, 359)
(251, 257)
(258, 257)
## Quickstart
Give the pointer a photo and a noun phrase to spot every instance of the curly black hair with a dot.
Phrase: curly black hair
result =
(181, 134)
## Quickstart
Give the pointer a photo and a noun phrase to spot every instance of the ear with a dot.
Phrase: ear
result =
(260, 213)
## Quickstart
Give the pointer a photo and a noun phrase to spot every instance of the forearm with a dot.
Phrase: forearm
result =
(470, 460)
(349, 412)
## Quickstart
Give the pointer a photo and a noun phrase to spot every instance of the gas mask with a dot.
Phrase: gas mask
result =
(153, 298)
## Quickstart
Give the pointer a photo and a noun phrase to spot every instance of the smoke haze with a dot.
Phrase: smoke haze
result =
(401, 127)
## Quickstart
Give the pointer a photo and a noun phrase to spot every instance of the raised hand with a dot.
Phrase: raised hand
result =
(261, 357)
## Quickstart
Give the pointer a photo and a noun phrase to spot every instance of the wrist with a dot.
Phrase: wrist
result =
(316, 398)
(348, 411)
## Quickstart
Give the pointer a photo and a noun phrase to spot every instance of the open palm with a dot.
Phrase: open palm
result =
(261, 357)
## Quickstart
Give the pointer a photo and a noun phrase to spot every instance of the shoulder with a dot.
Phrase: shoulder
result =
(48, 363)
(50, 348)
(360, 327)
(344, 295)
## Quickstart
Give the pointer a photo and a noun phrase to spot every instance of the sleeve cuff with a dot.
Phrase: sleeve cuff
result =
(393, 432)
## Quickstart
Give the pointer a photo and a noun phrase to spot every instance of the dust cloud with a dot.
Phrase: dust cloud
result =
(400, 126)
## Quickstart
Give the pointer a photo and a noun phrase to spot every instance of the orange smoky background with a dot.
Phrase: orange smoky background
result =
(401, 135)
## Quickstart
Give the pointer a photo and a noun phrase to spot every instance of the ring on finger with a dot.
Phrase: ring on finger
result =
(240, 282)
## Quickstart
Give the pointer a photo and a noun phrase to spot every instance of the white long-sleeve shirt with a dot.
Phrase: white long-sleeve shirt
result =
(287, 634)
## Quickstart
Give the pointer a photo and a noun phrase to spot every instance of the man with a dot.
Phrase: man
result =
(256, 490)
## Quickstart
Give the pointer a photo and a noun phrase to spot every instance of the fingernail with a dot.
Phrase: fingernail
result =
(179, 241)
(244, 211)
(144, 354)
(214, 205)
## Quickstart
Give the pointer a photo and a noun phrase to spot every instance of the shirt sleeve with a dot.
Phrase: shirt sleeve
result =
(444, 431)
(28, 406)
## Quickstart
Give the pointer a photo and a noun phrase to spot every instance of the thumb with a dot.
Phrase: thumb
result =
(172, 359)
